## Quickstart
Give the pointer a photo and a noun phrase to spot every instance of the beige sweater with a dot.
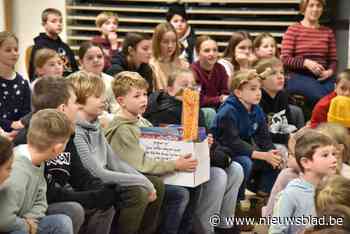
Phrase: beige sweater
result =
(162, 70)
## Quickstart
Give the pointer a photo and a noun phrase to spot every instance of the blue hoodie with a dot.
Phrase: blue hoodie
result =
(295, 201)
(237, 129)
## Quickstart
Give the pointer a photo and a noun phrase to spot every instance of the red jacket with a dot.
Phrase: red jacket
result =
(320, 111)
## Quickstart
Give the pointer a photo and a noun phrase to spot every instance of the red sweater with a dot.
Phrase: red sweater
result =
(300, 43)
(213, 84)
(320, 111)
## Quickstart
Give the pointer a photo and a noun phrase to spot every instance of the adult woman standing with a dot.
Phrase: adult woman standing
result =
(309, 53)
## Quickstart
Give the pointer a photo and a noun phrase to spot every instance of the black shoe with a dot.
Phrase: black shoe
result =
(232, 230)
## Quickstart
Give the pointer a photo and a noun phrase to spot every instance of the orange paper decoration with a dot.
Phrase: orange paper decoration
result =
(190, 114)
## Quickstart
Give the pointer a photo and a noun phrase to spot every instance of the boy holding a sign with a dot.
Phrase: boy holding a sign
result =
(221, 190)
(123, 134)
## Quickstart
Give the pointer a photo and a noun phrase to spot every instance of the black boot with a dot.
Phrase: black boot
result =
(232, 230)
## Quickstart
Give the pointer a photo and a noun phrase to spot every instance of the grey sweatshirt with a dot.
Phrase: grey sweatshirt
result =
(98, 157)
(25, 195)
(296, 200)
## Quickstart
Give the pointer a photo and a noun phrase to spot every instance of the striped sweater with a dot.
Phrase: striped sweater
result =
(300, 43)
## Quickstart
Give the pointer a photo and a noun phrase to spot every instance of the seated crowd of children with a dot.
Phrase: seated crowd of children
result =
(70, 154)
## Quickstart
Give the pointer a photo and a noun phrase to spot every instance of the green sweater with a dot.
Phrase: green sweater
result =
(124, 137)
(25, 196)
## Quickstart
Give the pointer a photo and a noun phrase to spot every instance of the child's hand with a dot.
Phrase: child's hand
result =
(223, 98)
(152, 196)
(32, 225)
(186, 163)
(210, 139)
(17, 125)
(274, 158)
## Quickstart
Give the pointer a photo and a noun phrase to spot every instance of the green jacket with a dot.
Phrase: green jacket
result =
(124, 137)
(25, 195)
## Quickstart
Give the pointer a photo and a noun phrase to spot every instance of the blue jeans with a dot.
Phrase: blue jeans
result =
(309, 86)
(258, 175)
(247, 165)
(176, 199)
(52, 224)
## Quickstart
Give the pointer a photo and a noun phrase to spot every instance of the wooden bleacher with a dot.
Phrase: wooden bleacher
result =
(217, 18)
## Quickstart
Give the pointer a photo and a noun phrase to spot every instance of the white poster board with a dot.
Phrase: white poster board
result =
(160, 149)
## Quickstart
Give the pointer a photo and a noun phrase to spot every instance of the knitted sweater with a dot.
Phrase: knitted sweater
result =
(124, 137)
(14, 100)
(25, 196)
(300, 43)
(162, 70)
(213, 84)
(98, 157)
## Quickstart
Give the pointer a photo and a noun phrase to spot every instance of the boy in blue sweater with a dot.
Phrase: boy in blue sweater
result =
(240, 126)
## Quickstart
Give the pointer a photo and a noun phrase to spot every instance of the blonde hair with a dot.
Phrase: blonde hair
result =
(303, 4)
(86, 85)
(158, 35)
(242, 77)
(47, 128)
(4, 35)
(344, 75)
(178, 72)
(125, 81)
(334, 191)
(43, 55)
(264, 64)
(340, 134)
(104, 16)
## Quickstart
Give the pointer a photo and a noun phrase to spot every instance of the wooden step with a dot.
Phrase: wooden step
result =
(191, 22)
(218, 1)
(190, 10)
(126, 29)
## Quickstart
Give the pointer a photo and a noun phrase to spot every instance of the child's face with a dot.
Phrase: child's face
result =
(275, 82)
(5, 170)
(109, 26)
(324, 161)
(267, 49)
(9, 52)
(208, 53)
(71, 108)
(179, 24)
(342, 88)
(243, 49)
(250, 92)
(53, 24)
(52, 67)
(168, 44)
(93, 60)
(95, 105)
(134, 102)
(185, 80)
(143, 51)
